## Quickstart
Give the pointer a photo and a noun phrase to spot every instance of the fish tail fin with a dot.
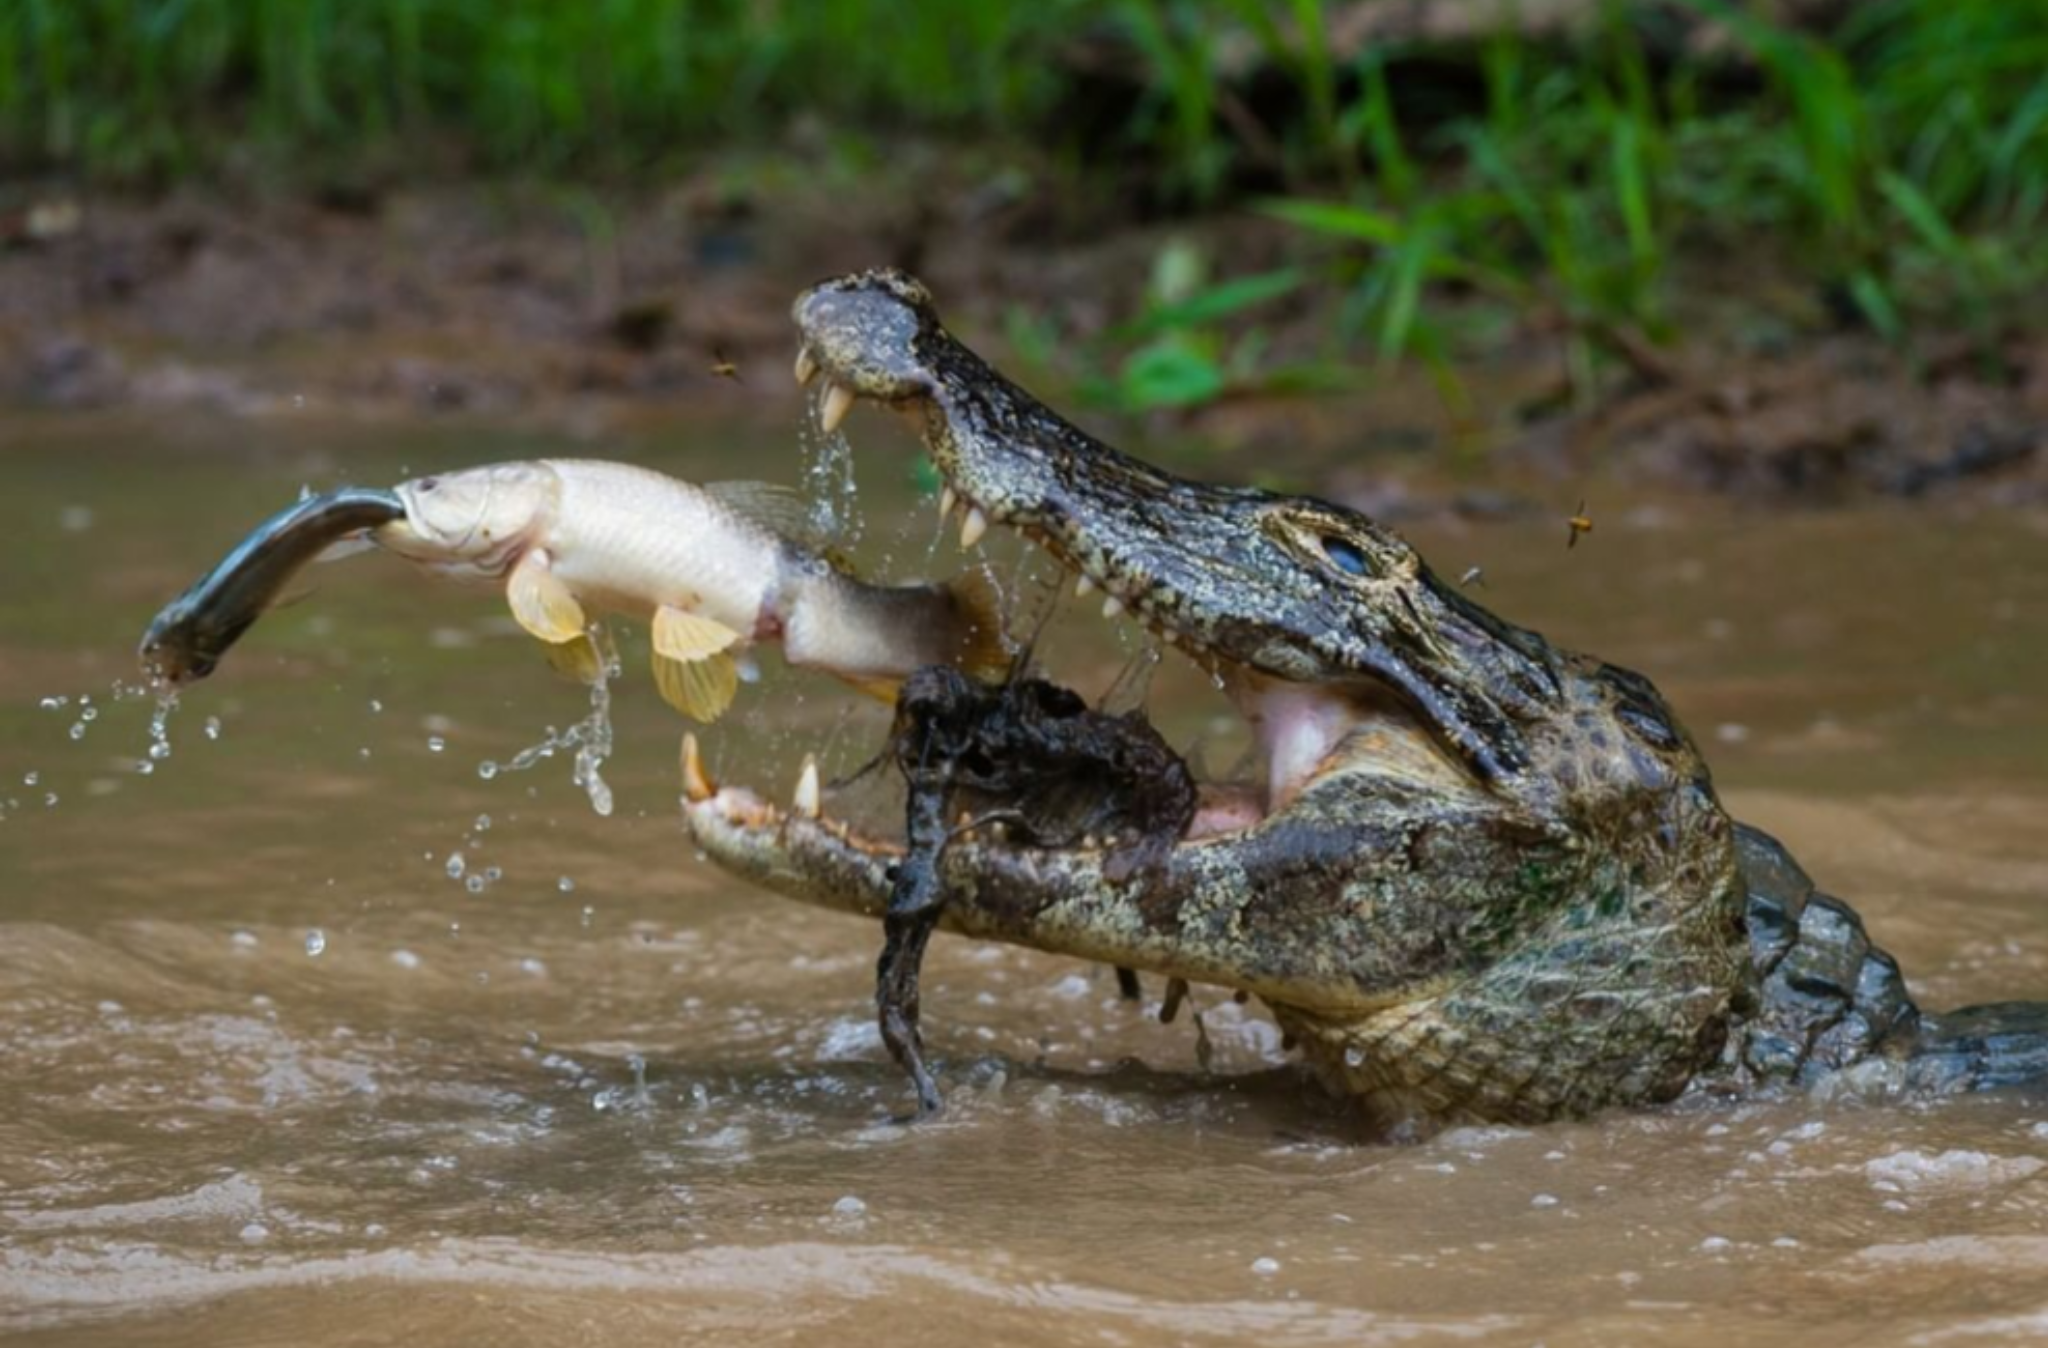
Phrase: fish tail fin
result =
(984, 635)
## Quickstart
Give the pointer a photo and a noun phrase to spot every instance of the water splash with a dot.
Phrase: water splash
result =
(159, 725)
(828, 477)
(590, 737)
(316, 942)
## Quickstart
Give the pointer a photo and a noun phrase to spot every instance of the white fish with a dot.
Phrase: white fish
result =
(712, 569)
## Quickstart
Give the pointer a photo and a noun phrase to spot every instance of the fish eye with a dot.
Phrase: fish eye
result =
(1345, 556)
(427, 484)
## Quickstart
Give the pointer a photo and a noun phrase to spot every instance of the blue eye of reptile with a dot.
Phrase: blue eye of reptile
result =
(1346, 557)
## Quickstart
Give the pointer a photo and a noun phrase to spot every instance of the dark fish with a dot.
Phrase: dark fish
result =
(187, 639)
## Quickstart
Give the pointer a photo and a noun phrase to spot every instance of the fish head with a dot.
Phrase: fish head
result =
(476, 521)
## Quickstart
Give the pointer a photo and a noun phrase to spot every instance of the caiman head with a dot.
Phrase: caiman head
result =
(1478, 876)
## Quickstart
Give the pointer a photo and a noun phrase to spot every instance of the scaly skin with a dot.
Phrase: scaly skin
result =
(1493, 881)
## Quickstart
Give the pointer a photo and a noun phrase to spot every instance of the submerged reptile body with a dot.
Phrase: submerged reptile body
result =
(1492, 879)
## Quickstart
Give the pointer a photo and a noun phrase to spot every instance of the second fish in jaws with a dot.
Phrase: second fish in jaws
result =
(711, 568)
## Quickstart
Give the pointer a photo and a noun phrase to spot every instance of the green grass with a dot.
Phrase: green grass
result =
(1901, 161)
(142, 88)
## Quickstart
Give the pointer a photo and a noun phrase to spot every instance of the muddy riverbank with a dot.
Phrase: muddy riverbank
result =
(594, 314)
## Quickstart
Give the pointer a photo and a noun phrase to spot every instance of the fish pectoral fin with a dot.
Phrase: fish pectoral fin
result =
(689, 636)
(700, 689)
(578, 659)
(347, 546)
(541, 603)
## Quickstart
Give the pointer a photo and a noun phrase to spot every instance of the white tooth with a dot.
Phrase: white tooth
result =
(948, 498)
(807, 792)
(696, 782)
(973, 527)
(806, 366)
(838, 402)
(1112, 606)
(1084, 586)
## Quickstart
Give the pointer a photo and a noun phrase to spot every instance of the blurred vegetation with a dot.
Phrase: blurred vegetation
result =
(1900, 159)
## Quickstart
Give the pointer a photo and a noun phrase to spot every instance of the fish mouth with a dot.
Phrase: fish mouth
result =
(874, 338)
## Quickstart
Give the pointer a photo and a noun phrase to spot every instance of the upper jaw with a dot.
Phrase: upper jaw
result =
(1159, 548)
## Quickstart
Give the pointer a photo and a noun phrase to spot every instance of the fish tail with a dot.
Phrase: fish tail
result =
(984, 635)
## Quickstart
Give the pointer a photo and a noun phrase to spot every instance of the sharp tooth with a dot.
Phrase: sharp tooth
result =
(948, 498)
(1112, 606)
(973, 527)
(697, 783)
(838, 402)
(1084, 586)
(806, 366)
(807, 792)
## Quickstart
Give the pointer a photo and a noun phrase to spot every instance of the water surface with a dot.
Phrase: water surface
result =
(273, 1073)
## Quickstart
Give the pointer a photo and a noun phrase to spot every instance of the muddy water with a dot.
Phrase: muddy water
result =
(269, 1073)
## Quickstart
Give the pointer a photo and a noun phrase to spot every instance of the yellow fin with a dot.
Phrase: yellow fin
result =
(576, 660)
(985, 648)
(884, 689)
(687, 636)
(541, 603)
(700, 689)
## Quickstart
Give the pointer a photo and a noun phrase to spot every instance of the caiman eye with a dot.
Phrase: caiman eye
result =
(1345, 556)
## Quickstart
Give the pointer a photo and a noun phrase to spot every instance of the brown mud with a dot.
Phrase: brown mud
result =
(590, 314)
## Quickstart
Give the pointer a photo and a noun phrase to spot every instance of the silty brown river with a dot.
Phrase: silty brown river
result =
(276, 1066)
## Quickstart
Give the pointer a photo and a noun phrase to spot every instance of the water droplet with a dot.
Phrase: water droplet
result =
(435, 744)
(474, 884)
(1265, 1266)
(31, 778)
(316, 942)
(566, 885)
(405, 959)
(212, 727)
(255, 1233)
(375, 705)
(492, 875)
(487, 769)
(54, 703)
(1354, 1056)
(849, 1206)
(455, 865)
(589, 914)
(50, 800)
(78, 730)
(89, 714)
(483, 823)
(160, 751)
